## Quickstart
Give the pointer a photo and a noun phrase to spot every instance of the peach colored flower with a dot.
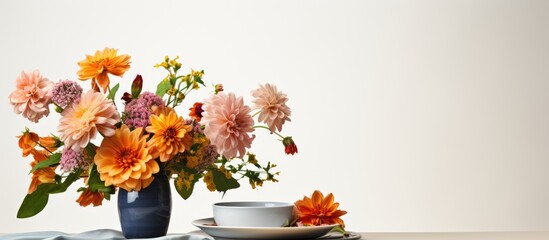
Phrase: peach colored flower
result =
(228, 124)
(81, 122)
(170, 135)
(124, 160)
(272, 104)
(31, 96)
(88, 197)
(319, 210)
(103, 62)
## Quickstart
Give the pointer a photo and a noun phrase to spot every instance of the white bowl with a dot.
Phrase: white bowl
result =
(253, 214)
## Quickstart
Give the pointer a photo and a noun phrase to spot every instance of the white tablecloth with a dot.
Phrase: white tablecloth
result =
(99, 234)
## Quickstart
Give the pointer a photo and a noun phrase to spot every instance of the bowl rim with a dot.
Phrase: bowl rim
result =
(277, 204)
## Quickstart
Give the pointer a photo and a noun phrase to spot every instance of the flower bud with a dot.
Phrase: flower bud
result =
(137, 85)
(218, 88)
(50, 142)
(127, 97)
(290, 146)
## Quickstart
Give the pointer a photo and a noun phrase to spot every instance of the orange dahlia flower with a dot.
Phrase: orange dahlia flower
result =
(124, 160)
(170, 135)
(90, 197)
(103, 62)
(319, 210)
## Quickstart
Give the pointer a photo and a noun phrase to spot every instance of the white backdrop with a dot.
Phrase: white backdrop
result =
(417, 115)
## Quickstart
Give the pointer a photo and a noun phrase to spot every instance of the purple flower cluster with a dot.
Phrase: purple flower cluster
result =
(139, 110)
(209, 155)
(71, 160)
(66, 92)
(197, 128)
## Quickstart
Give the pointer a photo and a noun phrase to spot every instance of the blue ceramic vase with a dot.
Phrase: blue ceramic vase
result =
(146, 214)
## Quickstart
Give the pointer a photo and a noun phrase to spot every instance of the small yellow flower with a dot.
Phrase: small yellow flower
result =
(184, 179)
(162, 64)
(198, 74)
(252, 159)
(192, 161)
(208, 179)
(227, 173)
(175, 63)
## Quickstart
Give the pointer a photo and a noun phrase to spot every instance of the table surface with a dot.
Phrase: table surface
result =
(456, 236)
(530, 235)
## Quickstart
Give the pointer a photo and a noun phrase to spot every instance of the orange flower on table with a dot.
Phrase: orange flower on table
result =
(124, 160)
(170, 135)
(98, 67)
(90, 197)
(319, 210)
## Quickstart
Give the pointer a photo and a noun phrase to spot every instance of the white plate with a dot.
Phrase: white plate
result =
(228, 232)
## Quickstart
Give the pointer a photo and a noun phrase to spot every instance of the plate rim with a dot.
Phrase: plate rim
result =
(194, 222)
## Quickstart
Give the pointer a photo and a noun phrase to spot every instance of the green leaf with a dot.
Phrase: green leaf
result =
(163, 87)
(340, 229)
(59, 188)
(183, 191)
(35, 202)
(90, 149)
(113, 91)
(199, 80)
(107, 196)
(52, 160)
(222, 183)
(96, 184)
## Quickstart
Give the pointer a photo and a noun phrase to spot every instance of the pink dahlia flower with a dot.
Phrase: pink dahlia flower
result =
(32, 96)
(272, 104)
(228, 124)
(81, 122)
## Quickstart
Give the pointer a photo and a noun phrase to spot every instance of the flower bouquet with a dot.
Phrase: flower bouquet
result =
(124, 146)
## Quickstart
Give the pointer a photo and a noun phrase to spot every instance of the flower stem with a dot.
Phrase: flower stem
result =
(255, 114)
(265, 127)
